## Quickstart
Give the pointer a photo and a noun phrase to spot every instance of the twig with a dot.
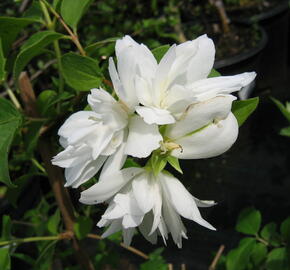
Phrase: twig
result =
(170, 266)
(23, 5)
(219, 5)
(216, 258)
(74, 36)
(55, 174)
(183, 266)
(132, 249)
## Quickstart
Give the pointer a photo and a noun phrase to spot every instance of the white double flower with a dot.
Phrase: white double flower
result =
(194, 112)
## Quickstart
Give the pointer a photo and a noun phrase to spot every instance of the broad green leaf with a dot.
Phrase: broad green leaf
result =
(33, 47)
(72, 11)
(2, 64)
(10, 28)
(285, 131)
(242, 109)
(5, 263)
(277, 259)
(96, 45)
(214, 73)
(259, 254)
(284, 109)
(249, 221)
(160, 52)
(53, 222)
(174, 162)
(80, 72)
(285, 229)
(44, 101)
(24, 258)
(10, 121)
(6, 228)
(82, 226)
(270, 234)
(34, 12)
(156, 261)
(237, 259)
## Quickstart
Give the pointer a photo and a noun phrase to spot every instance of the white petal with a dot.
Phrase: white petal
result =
(145, 228)
(211, 87)
(115, 226)
(181, 200)
(157, 208)
(128, 203)
(203, 203)
(144, 91)
(128, 235)
(131, 221)
(201, 114)
(155, 116)
(106, 189)
(142, 138)
(116, 141)
(143, 192)
(202, 62)
(211, 141)
(77, 175)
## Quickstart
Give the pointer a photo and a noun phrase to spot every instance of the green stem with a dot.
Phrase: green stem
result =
(13, 97)
(30, 239)
(38, 165)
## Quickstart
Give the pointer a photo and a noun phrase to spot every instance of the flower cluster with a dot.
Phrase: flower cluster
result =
(164, 112)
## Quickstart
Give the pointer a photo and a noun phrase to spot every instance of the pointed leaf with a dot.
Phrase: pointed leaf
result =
(2, 64)
(285, 229)
(283, 109)
(174, 162)
(6, 228)
(10, 121)
(278, 259)
(270, 234)
(160, 52)
(53, 222)
(214, 73)
(5, 263)
(83, 226)
(33, 47)
(285, 131)
(242, 109)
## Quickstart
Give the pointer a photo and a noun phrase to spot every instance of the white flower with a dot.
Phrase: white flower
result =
(166, 89)
(154, 204)
(90, 137)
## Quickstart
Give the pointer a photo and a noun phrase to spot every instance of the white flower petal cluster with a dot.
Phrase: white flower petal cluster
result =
(169, 108)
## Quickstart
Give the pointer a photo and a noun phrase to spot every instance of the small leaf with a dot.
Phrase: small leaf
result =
(33, 47)
(44, 101)
(242, 109)
(285, 229)
(259, 254)
(214, 73)
(157, 163)
(96, 45)
(156, 261)
(24, 258)
(72, 11)
(83, 226)
(53, 222)
(285, 131)
(249, 221)
(6, 228)
(10, 121)
(160, 52)
(116, 237)
(2, 64)
(270, 234)
(283, 109)
(10, 28)
(130, 163)
(80, 72)
(237, 259)
(277, 259)
(174, 162)
(5, 262)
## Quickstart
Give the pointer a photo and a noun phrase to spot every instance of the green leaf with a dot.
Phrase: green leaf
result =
(277, 259)
(285, 229)
(10, 121)
(283, 109)
(160, 52)
(237, 259)
(72, 11)
(242, 109)
(10, 28)
(23, 257)
(83, 226)
(270, 234)
(130, 163)
(96, 45)
(44, 101)
(116, 237)
(5, 263)
(34, 12)
(157, 163)
(285, 131)
(156, 261)
(45, 257)
(2, 64)
(6, 228)
(174, 162)
(249, 221)
(80, 72)
(259, 254)
(53, 223)
(214, 73)
(33, 47)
